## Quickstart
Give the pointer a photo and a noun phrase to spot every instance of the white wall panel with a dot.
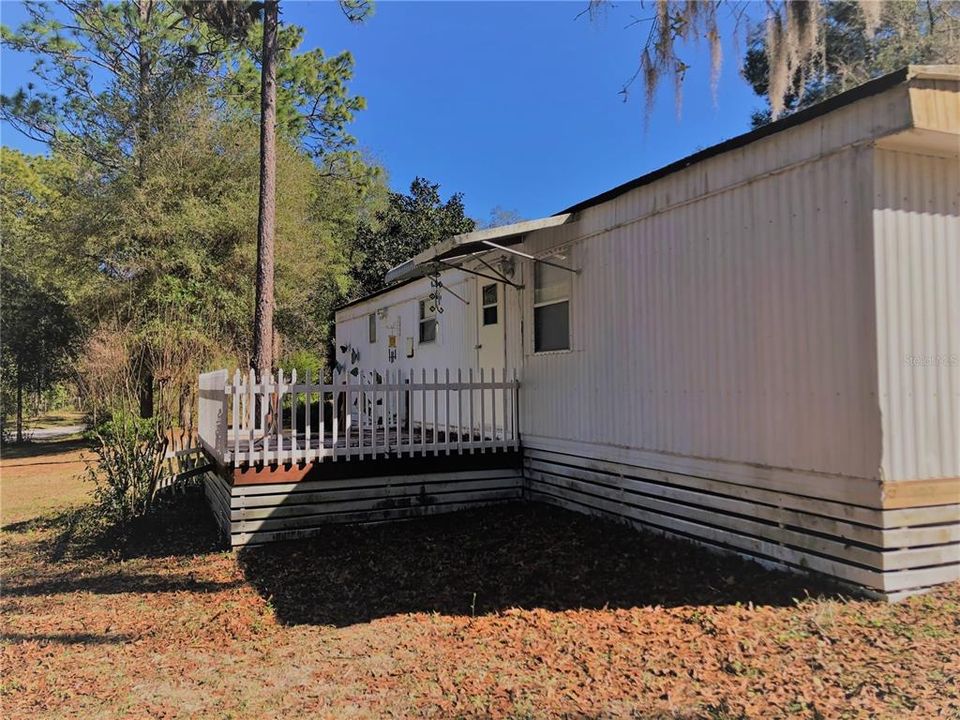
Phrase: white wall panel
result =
(917, 225)
(735, 327)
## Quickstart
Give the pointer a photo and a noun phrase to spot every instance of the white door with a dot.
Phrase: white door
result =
(490, 323)
(491, 344)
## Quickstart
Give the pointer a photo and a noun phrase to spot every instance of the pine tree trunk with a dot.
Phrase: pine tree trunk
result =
(19, 409)
(143, 134)
(143, 89)
(263, 317)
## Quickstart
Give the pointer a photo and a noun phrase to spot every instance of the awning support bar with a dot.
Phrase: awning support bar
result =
(493, 269)
(440, 286)
(447, 289)
(528, 256)
(479, 274)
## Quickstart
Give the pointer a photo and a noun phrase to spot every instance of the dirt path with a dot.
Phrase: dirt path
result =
(53, 433)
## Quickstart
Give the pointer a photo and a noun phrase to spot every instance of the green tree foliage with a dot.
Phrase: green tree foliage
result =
(32, 190)
(108, 76)
(909, 32)
(151, 234)
(314, 105)
(39, 329)
(182, 285)
(105, 73)
(129, 454)
(315, 109)
(408, 225)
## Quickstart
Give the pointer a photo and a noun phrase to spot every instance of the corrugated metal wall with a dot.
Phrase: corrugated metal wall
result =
(917, 226)
(456, 338)
(736, 326)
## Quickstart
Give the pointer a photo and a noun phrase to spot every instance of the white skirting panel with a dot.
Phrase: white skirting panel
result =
(251, 514)
(890, 552)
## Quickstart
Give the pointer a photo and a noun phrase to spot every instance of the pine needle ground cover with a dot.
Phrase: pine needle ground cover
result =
(515, 611)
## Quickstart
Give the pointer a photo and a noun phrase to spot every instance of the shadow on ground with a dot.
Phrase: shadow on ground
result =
(67, 638)
(180, 526)
(492, 559)
(42, 448)
(118, 582)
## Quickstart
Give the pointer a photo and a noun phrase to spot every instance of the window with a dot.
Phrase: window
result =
(551, 308)
(428, 321)
(490, 304)
(372, 327)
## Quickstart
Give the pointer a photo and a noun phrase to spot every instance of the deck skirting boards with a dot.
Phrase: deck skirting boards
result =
(252, 514)
(893, 553)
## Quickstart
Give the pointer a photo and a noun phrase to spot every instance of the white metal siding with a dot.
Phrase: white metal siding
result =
(917, 226)
(737, 326)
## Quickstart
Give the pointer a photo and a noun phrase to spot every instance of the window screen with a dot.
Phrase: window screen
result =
(551, 307)
(490, 305)
(372, 326)
(551, 327)
(428, 322)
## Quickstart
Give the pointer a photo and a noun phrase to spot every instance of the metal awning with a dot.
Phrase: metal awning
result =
(470, 243)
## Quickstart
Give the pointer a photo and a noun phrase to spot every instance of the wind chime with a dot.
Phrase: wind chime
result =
(437, 288)
(436, 295)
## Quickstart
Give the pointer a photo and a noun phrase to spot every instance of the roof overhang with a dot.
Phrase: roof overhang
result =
(470, 243)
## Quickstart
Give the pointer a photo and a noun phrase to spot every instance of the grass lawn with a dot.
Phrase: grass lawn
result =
(59, 418)
(519, 611)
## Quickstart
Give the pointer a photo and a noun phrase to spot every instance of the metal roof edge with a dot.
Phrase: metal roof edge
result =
(871, 87)
(396, 285)
(502, 232)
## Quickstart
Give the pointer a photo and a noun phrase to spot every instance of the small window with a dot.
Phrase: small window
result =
(372, 327)
(428, 321)
(551, 308)
(490, 304)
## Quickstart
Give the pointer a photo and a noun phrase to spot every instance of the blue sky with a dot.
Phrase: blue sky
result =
(515, 104)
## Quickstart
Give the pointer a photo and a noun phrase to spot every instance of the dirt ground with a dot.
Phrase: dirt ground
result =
(507, 612)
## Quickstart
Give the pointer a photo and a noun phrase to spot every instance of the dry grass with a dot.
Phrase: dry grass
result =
(515, 612)
(39, 478)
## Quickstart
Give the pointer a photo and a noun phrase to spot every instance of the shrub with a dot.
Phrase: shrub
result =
(301, 361)
(128, 466)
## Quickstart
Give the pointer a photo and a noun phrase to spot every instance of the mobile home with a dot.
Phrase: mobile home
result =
(756, 347)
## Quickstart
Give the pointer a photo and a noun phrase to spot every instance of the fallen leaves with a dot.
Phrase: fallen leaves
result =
(512, 612)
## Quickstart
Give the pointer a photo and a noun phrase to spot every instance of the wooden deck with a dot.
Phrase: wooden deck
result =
(374, 414)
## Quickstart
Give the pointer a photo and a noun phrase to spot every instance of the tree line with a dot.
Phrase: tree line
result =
(130, 248)
(203, 202)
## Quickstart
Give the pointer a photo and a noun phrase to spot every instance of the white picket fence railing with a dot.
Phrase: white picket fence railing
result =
(371, 414)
